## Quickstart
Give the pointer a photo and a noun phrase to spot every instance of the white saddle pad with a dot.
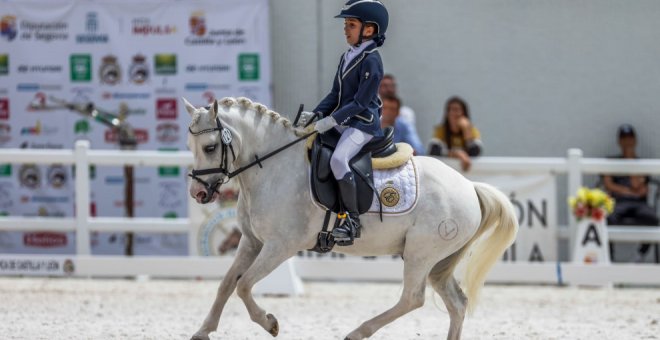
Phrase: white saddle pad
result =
(398, 189)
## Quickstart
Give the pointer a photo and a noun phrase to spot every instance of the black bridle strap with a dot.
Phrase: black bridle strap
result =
(257, 160)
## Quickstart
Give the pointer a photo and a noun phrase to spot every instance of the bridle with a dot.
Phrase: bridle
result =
(226, 138)
(226, 145)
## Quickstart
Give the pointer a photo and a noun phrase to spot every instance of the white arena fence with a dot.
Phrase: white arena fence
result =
(308, 266)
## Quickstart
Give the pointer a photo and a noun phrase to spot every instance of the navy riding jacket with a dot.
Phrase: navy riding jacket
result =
(354, 99)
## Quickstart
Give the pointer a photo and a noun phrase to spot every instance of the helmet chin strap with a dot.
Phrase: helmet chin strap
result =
(361, 37)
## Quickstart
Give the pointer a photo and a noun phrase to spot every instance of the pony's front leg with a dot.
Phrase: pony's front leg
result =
(248, 249)
(272, 255)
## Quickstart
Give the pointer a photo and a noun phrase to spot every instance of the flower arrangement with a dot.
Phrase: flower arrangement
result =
(593, 203)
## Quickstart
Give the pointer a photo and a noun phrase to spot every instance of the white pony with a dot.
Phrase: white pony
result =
(278, 218)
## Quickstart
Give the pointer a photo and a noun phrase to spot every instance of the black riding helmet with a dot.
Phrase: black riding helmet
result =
(367, 11)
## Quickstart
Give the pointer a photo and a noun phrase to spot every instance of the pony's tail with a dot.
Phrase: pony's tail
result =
(500, 225)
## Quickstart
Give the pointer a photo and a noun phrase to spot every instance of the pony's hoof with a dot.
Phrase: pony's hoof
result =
(200, 337)
(275, 329)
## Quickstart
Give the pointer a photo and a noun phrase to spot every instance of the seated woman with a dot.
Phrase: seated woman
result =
(456, 137)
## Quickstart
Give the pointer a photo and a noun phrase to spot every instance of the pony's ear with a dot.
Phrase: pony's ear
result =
(189, 107)
(214, 109)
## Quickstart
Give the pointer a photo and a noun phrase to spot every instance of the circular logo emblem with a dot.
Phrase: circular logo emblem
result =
(226, 136)
(389, 197)
(448, 230)
(218, 234)
(68, 267)
(30, 176)
(139, 71)
(57, 176)
(110, 72)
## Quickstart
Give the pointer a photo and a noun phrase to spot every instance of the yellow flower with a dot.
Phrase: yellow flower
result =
(582, 194)
(591, 199)
(609, 205)
(598, 197)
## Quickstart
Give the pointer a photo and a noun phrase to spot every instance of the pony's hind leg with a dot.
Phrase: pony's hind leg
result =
(272, 255)
(248, 249)
(412, 297)
(443, 282)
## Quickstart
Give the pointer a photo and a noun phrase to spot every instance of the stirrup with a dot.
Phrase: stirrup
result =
(349, 229)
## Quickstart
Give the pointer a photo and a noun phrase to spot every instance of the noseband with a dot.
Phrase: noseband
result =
(226, 137)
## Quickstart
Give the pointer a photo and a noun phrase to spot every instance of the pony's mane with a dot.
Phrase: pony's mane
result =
(260, 109)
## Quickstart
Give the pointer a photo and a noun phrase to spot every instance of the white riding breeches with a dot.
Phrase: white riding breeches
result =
(350, 143)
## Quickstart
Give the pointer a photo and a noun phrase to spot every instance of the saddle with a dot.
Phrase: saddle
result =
(379, 153)
(323, 183)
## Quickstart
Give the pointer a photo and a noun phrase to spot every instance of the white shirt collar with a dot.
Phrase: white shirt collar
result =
(354, 51)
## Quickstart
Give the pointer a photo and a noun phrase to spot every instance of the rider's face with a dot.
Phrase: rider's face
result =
(352, 29)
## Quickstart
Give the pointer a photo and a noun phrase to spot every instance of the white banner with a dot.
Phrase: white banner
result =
(36, 266)
(145, 54)
(534, 200)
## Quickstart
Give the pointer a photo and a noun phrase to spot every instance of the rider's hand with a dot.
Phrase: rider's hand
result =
(305, 116)
(325, 124)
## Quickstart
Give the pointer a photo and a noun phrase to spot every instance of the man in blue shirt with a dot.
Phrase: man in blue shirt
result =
(403, 131)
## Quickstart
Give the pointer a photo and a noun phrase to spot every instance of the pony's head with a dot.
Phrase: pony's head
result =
(219, 134)
(214, 146)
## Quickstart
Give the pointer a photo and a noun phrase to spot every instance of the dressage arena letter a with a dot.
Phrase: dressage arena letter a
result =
(591, 242)
(536, 254)
(591, 235)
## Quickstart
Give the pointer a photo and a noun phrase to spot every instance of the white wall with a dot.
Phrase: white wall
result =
(540, 76)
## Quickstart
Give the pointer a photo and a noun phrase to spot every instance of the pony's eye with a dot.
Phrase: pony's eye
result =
(210, 148)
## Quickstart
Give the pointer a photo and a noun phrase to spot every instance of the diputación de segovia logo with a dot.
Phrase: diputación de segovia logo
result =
(8, 29)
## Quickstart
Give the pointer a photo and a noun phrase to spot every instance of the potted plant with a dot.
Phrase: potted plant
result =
(590, 208)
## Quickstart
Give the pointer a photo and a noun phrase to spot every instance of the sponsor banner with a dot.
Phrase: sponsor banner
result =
(4, 108)
(4, 64)
(129, 61)
(161, 244)
(37, 265)
(534, 199)
(37, 242)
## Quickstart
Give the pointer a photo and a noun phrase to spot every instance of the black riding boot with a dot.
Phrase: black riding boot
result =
(350, 228)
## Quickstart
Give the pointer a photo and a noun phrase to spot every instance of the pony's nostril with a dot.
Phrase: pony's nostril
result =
(200, 196)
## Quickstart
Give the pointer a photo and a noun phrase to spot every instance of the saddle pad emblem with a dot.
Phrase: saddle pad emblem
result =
(389, 197)
(397, 189)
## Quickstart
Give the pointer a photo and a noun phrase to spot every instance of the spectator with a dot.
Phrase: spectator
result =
(403, 132)
(630, 192)
(388, 89)
(456, 137)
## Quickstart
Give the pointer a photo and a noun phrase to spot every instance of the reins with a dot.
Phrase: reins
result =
(223, 168)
